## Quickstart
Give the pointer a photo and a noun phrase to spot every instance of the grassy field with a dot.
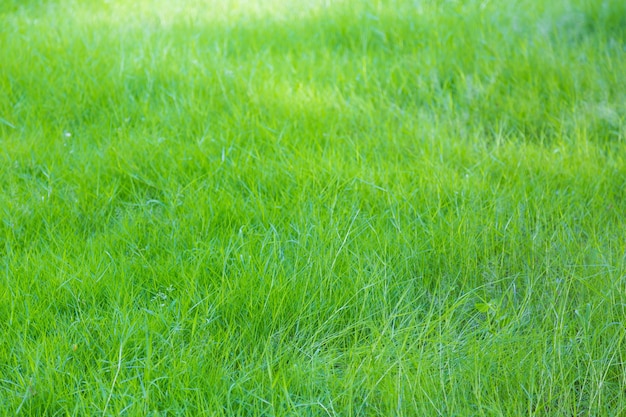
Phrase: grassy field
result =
(313, 208)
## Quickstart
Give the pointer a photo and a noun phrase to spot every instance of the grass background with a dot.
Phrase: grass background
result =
(312, 207)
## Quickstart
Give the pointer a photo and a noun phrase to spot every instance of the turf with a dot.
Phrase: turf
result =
(316, 208)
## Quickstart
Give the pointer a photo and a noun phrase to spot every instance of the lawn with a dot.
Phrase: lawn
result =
(313, 208)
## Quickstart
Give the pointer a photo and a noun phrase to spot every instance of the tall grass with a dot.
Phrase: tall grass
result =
(312, 207)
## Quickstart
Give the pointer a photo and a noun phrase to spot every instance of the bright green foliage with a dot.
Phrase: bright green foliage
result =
(313, 207)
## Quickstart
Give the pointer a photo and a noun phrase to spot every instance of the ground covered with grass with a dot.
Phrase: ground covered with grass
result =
(322, 208)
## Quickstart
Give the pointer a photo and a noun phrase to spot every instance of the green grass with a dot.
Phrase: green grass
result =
(315, 208)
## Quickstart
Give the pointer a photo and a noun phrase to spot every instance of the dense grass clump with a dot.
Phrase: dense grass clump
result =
(346, 208)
